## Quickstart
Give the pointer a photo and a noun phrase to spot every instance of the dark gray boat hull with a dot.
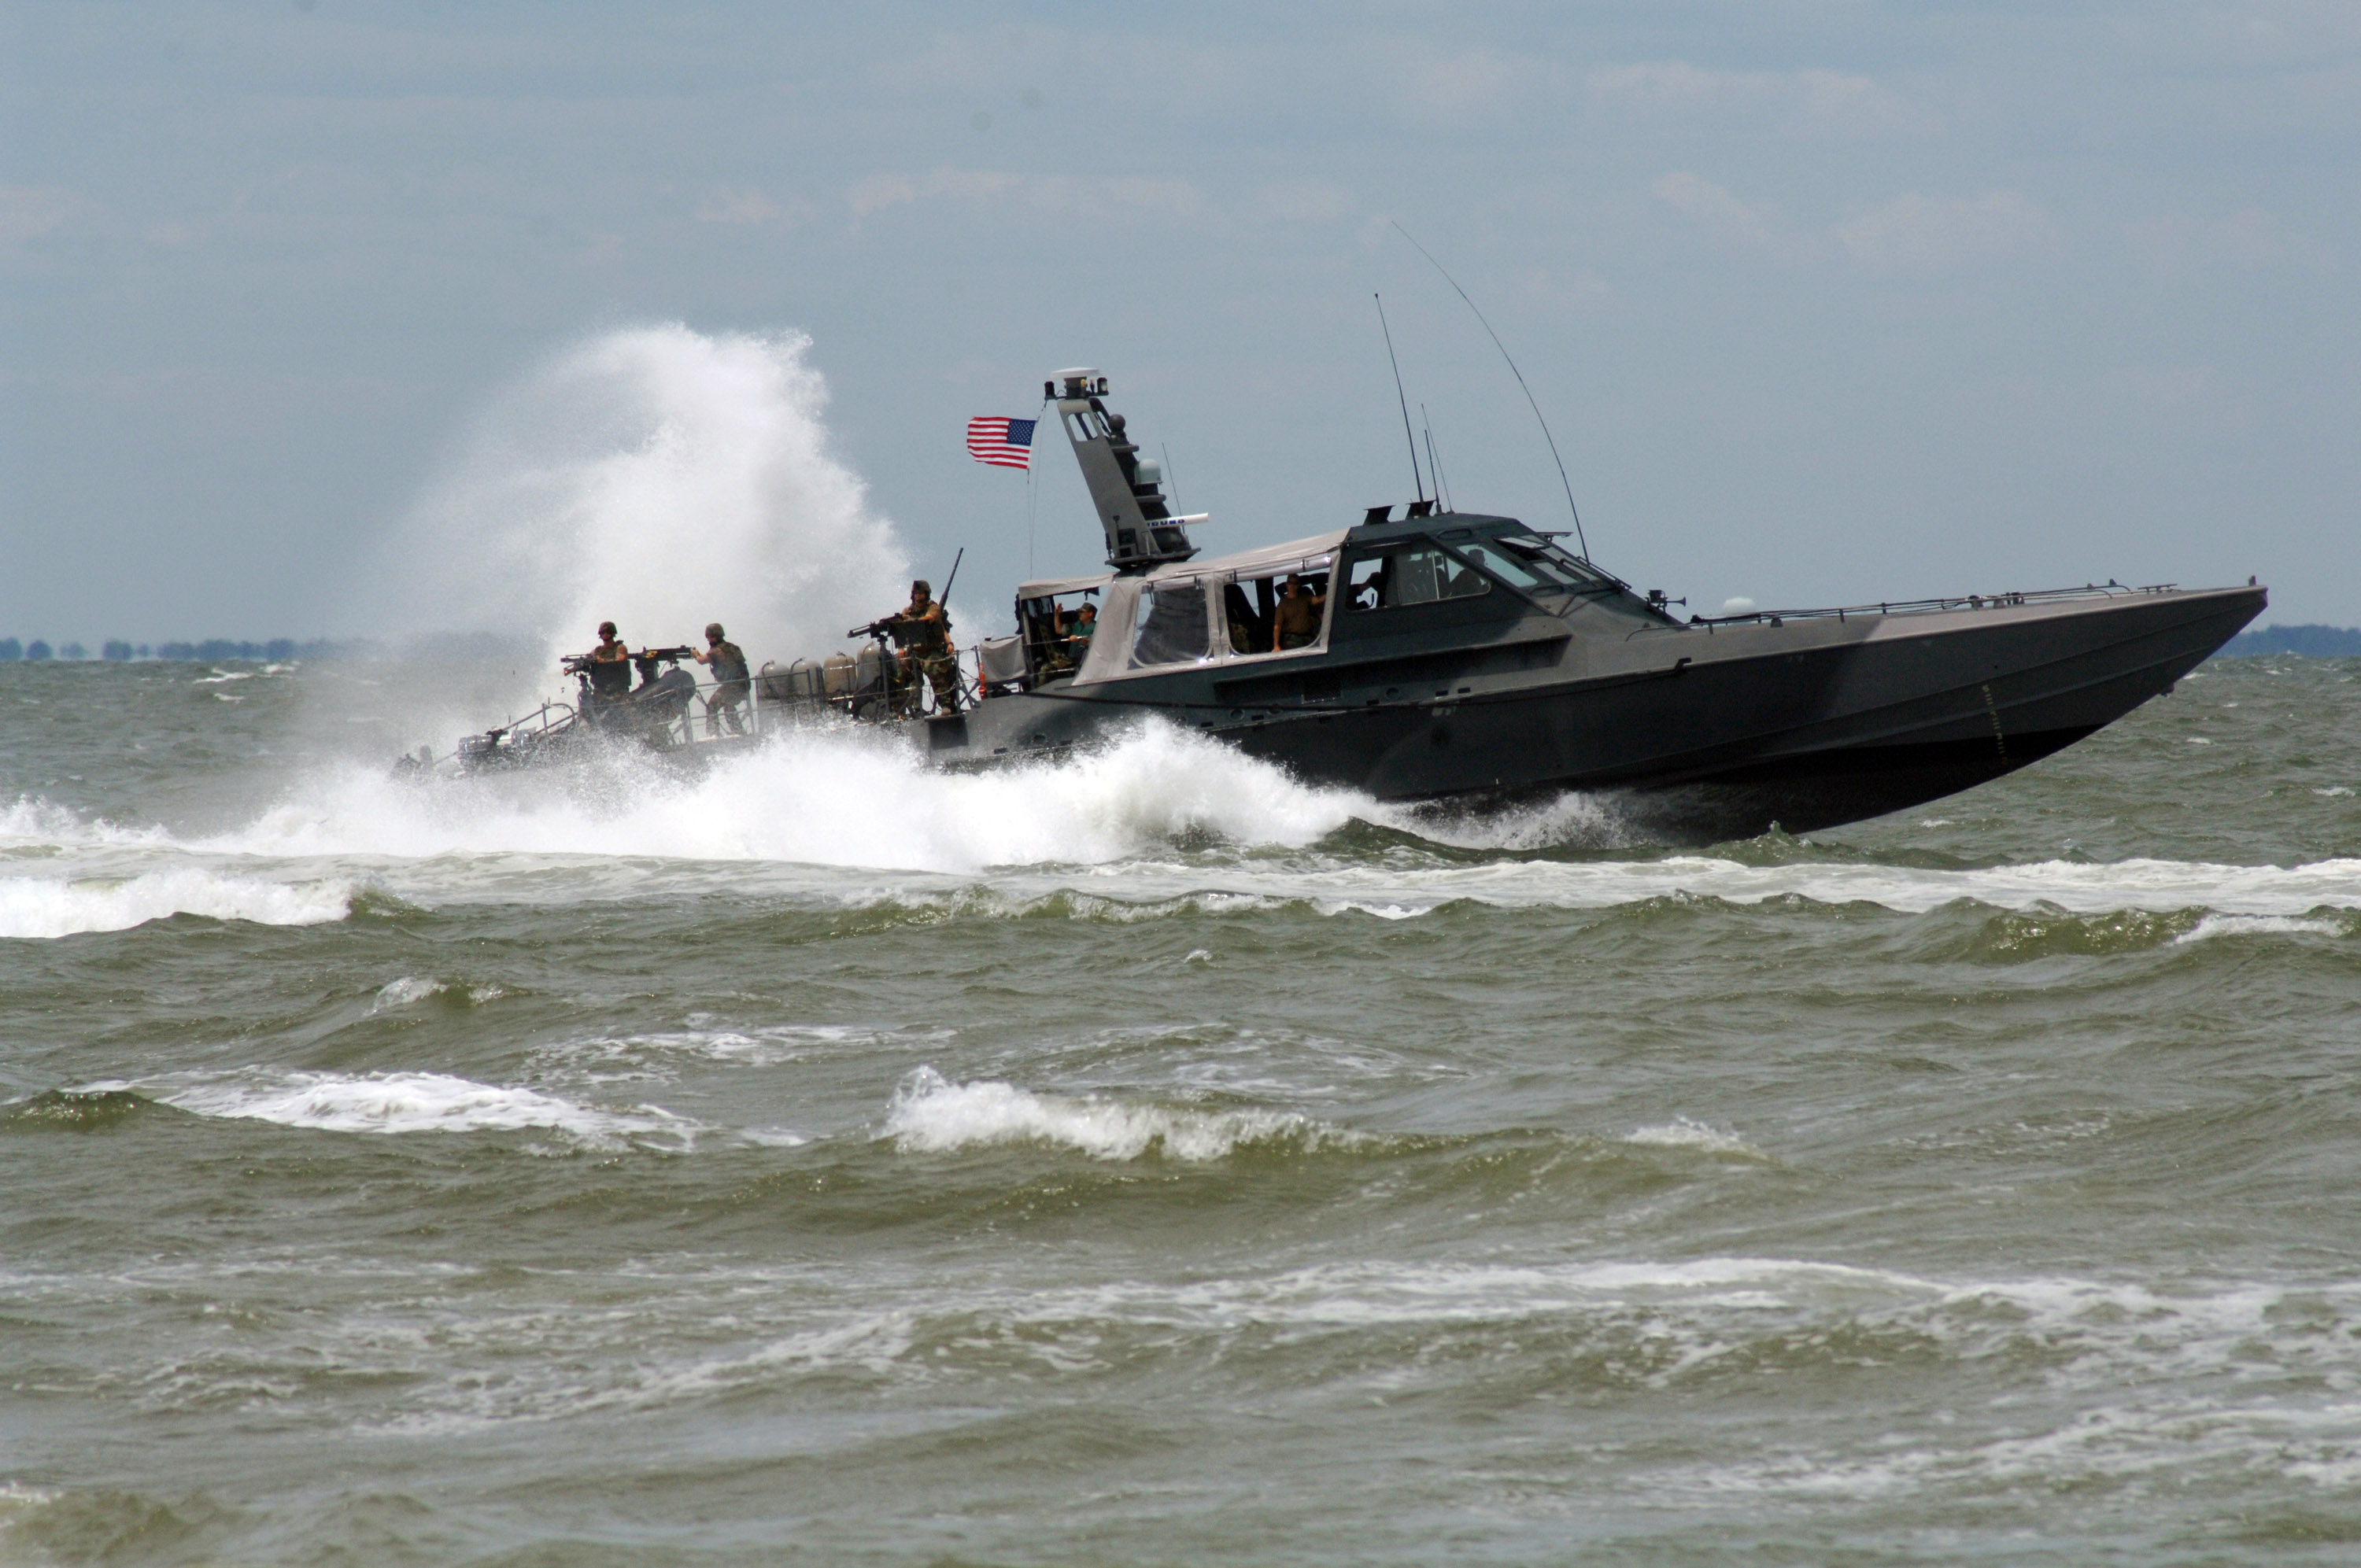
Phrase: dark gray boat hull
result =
(1705, 733)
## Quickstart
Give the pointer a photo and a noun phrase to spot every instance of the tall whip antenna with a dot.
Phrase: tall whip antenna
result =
(1416, 479)
(1519, 375)
(1434, 463)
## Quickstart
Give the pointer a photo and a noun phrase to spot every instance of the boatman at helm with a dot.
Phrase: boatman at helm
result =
(923, 631)
(610, 664)
(1297, 622)
(731, 681)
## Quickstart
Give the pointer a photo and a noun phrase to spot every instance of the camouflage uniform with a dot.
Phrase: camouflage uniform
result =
(929, 658)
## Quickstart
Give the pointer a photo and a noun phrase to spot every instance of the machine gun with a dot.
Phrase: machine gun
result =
(647, 659)
(580, 663)
(606, 685)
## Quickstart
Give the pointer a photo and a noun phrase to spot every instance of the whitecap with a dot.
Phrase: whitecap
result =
(931, 1115)
(396, 1103)
(61, 906)
(1683, 1133)
(2255, 926)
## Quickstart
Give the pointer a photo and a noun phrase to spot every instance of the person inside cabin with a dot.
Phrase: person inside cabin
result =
(731, 682)
(923, 630)
(1296, 623)
(610, 664)
(1238, 611)
(1078, 640)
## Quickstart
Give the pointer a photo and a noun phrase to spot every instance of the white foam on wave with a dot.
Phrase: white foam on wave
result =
(1393, 891)
(931, 1115)
(396, 1103)
(51, 906)
(825, 798)
(1097, 830)
(2256, 925)
(1681, 1132)
(1385, 1292)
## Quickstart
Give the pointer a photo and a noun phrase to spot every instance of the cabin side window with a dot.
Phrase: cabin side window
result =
(1171, 625)
(1401, 577)
(1263, 615)
(1057, 632)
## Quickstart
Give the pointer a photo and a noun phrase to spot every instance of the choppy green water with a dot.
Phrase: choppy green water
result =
(1150, 1161)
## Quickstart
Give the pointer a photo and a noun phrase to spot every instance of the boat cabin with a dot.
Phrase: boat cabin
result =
(1411, 578)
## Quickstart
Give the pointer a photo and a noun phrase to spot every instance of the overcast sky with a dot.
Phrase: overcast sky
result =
(1826, 302)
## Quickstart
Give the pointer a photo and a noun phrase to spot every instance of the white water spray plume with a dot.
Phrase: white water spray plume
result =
(655, 477)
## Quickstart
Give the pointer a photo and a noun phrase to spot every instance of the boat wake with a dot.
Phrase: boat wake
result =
(1157, 823)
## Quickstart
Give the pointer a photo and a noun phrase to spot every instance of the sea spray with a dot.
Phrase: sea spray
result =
(841, 798)
(657, 477)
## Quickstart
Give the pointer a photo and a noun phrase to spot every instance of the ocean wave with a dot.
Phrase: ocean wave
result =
(931, 1115)
(1156, 889)
(396, 1102)
(1681, 1132)
(402, 992)
(51, 906)
(2257, 925)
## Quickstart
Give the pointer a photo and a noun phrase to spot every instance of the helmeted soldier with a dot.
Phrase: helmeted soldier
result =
(923, 630)
(610, 662)
(731, 682)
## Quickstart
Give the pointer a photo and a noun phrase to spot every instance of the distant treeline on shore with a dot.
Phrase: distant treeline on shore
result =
(2314, 642)
(117, 651)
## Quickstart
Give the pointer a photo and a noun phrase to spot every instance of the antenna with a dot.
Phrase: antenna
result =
(1416, 478)
(1166, 449)
(1519, 375)
(1434, 463)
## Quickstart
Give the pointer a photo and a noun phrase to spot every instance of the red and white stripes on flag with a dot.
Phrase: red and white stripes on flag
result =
(1003, 442)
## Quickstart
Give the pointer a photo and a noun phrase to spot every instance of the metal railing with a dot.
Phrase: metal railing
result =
(2108, 589)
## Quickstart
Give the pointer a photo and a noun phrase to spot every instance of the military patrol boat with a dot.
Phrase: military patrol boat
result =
(1433, 655)
(1470, 657)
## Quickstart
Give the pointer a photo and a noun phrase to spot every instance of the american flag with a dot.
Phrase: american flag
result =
(1003, 442)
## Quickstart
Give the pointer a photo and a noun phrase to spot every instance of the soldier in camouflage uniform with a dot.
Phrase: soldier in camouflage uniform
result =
(731, 682)
(923, 630)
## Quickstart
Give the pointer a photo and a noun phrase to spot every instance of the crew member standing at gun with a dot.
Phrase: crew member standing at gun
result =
(610, 665)
(924, 631)
(731, 681)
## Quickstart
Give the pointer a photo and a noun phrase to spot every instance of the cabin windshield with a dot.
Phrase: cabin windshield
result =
(1532, 562)
(1421, 575)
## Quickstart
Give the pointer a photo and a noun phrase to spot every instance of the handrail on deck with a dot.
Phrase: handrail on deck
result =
(2108, 589)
